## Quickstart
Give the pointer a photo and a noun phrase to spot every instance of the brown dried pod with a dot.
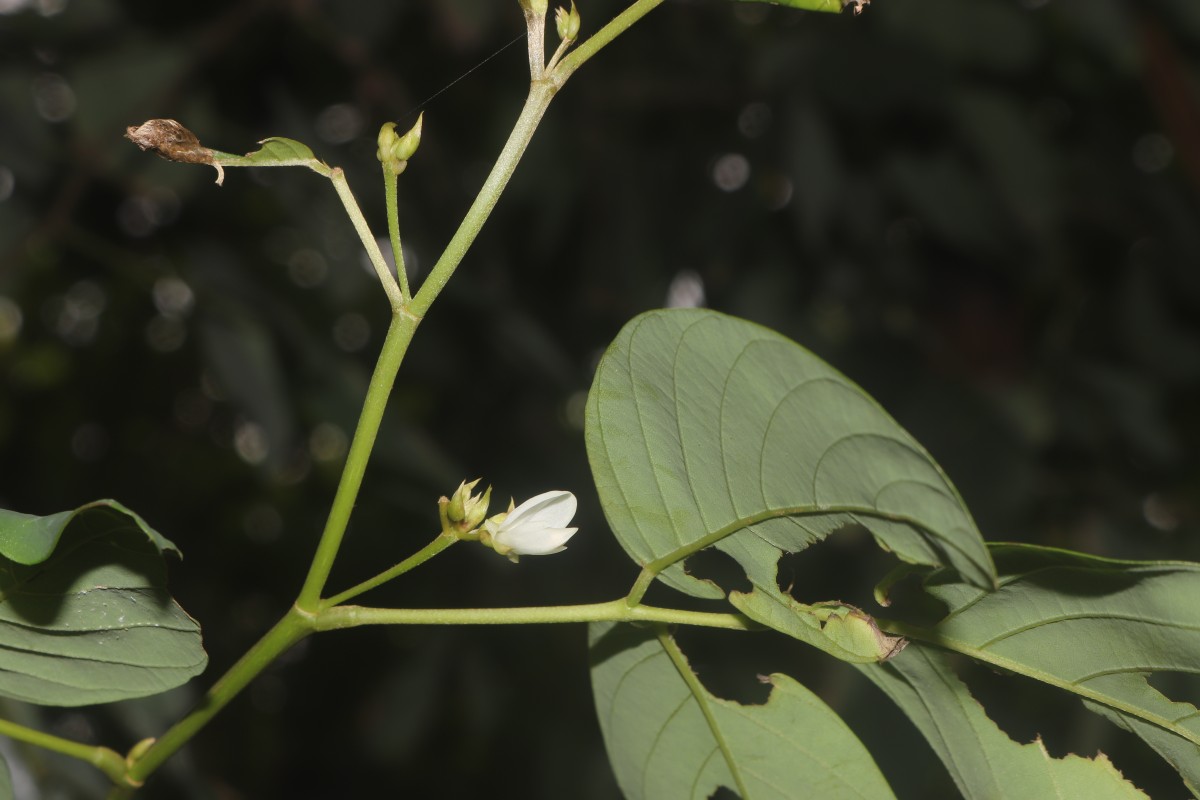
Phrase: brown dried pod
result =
(173, 142)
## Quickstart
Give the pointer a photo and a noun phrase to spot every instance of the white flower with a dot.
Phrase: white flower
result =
(537, 527)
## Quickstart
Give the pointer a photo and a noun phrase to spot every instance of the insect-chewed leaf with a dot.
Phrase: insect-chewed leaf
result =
(982, 760)
(84, 612)
(1094, 626)
(703, 429)
(669, 738)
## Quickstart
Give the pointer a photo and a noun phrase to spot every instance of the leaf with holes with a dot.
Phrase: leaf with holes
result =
(705, 430)
(982, 760)
(1093, 626)
(85, 616)
(669, 738)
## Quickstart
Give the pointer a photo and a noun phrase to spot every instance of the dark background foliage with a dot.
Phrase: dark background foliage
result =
(984, 212)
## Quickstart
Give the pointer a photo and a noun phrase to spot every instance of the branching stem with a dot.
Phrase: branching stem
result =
(310, 613)
(390, 287)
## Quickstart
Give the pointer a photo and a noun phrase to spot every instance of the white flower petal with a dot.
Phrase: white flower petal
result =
(537, 527)
(536, 541)
(547, 510)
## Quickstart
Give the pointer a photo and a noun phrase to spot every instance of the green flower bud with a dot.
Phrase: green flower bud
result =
(466, 511)
(387, 137)
(395, 151)
(538, 7)
(407, 144)
(567, 22)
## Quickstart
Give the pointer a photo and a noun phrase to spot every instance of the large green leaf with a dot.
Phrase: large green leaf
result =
(982, 760)
(84, 612)
(703, 429)
(668, 738)
(1094, 626)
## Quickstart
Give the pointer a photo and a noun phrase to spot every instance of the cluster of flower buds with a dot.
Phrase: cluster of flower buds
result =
(395, 150)
(465, 511)
(567, 23)
(537, 527)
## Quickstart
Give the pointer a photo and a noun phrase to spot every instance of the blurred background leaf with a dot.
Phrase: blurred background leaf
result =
(984, 213)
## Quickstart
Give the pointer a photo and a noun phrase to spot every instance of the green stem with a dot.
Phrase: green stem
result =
(540, 95)
(641, 586)
(612, 611)
(594, 43)
(390, 179)
(294, 626)
(110, 762)
(390, 287)
(415, 560)
(309, 614)
(399, 335)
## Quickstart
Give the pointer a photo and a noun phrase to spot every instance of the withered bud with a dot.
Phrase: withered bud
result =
(173, 142)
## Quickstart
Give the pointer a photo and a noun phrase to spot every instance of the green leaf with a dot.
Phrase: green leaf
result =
(703, 429)
(84, 612)
(1093, 626)
(668, 738)
(276, 152)
(28, 539)
(980, 757)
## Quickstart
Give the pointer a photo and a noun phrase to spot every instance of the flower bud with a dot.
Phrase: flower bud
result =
(387, 137)
(567, 22)
(395, 151)
(538, 7)
(466, 511)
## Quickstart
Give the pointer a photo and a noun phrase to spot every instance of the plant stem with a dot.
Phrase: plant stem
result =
(399, 335)
(594, 43)
(294, 626)
(390, 287)
(390, 179)
(110, 762)
(612, 611)
(540, 95)
(309, 614)
(415, 560)
(641, 585)
(535, 42)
